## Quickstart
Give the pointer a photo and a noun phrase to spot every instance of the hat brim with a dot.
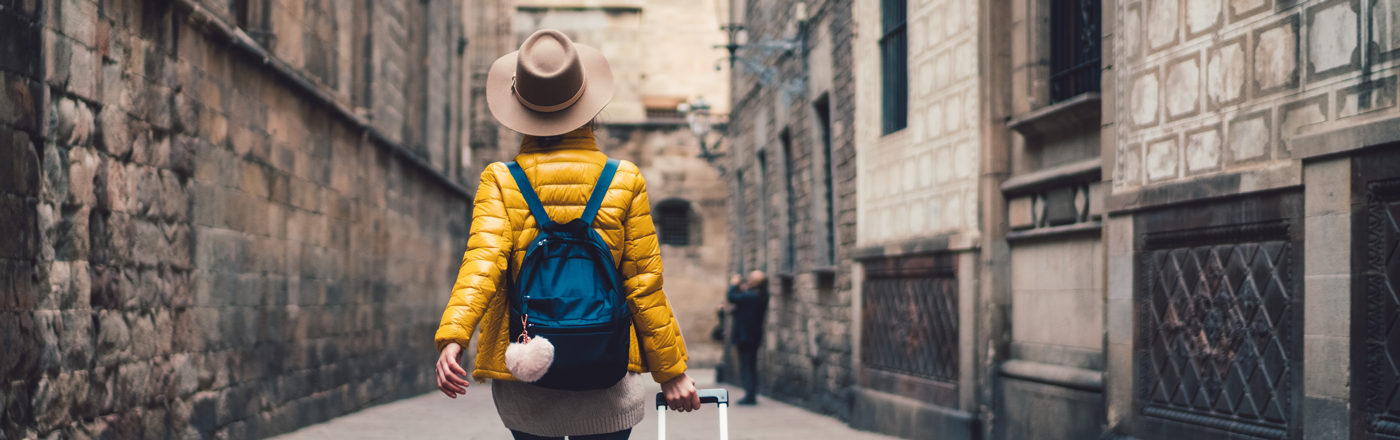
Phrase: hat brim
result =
(515, 116)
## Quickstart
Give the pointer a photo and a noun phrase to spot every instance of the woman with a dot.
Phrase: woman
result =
(550, 91)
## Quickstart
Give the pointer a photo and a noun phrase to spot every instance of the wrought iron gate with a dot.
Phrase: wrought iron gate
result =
(1217, 327)
(910, 317)
(1381, 341)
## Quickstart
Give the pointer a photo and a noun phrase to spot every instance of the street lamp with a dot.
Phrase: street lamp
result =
(738, 39)
(697, 115)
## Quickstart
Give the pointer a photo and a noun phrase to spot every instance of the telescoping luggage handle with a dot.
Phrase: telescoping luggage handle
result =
(719, 396)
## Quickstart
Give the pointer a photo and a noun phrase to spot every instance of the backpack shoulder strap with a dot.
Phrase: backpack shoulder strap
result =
(527, 191)
(600, 191)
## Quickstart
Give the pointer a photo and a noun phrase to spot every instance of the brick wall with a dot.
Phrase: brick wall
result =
(204, 250)
(807, 354)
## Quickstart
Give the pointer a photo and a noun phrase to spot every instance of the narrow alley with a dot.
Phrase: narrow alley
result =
(924, 219)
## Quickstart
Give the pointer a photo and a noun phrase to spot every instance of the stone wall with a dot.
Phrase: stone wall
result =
(924, 230)
(1223, 87)
(785, 222)
(489, 35)
(208, 244)
(922, 180)
(1054, 211)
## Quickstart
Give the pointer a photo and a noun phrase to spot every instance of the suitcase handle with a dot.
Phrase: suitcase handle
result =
(714, 395)
(718, 396)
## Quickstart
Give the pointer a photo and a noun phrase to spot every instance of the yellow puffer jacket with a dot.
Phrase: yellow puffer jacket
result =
(563, 176)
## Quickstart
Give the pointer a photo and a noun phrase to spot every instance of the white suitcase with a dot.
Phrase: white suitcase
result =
(718, 396)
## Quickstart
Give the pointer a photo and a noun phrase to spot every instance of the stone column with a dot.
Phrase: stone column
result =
(1327, 271)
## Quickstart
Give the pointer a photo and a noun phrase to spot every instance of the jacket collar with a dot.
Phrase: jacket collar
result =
(579, 139)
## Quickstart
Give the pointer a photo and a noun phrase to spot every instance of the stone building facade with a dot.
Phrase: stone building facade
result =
(1080, 219)
(1279, 119)
(662, 54)
(792, 138)
(922, 250)
(225, 219)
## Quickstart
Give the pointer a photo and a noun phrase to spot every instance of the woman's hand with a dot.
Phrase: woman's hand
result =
(680, 394)
(452, 379)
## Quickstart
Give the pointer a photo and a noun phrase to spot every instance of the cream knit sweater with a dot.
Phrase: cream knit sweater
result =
(555, 413)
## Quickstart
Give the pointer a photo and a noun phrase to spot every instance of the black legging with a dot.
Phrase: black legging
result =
(620, 435)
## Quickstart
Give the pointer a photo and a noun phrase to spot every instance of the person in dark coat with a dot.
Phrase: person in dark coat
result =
(750, 299)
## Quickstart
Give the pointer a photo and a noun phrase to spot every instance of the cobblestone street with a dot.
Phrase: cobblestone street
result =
(473, 417)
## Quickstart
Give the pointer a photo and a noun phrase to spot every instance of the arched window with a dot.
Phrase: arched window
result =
(673, 222)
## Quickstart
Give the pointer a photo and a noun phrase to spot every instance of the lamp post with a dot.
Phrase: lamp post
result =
(697, 115)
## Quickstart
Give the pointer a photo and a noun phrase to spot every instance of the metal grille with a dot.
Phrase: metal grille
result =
(673, 223)
(1217, 333)
(1382, 338)
(1075, 48)
(910, 317)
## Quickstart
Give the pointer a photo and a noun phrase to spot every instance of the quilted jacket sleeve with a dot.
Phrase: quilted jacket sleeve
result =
(488, 250)
(662, 346)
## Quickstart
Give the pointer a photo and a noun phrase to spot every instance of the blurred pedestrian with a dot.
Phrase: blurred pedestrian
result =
(750, 299)
(549, 91)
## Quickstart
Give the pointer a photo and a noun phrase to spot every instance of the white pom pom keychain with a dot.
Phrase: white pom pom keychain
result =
(530, 358)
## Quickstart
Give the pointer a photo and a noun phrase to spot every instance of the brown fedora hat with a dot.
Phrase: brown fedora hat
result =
(550, 86)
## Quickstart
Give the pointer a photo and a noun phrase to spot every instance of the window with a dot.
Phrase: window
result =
(762, 220)
(828, 192)
(663, 107)
(789, 245)
(742, 233)
(663, 114)
(1075, 49)
(894, 63)
(253, 16)
(673, 222)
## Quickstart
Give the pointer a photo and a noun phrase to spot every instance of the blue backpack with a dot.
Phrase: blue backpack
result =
(568, 290)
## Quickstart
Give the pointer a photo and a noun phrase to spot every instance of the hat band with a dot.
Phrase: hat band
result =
(549, 108)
